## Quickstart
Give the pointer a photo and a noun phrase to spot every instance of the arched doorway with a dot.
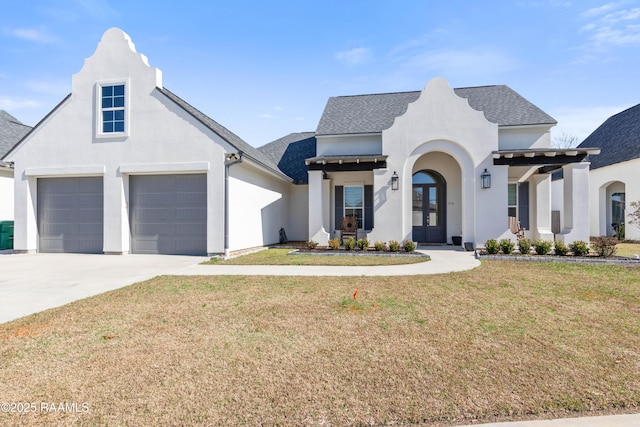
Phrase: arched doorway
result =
(429, 207)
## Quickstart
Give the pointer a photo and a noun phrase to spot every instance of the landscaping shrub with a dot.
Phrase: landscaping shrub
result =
(363, 244)
(507, 246)
(334, 243)
(605, 246)
(349, 243)
(311, 244)
(394, 246)
(542, 247)
(579, 248)
(524, 246)
(380, 246)
(560, 248)
(492, 246)
(409, 245)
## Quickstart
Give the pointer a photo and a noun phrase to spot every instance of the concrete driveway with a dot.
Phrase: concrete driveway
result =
(35, 282)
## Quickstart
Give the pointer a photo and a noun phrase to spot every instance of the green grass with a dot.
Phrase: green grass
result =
(278, 256)
(505, 341)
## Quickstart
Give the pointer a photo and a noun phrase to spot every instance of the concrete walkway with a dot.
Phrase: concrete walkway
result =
(632, 420)
(444, 259)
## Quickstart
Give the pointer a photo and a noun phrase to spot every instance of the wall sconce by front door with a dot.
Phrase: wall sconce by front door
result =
(394, 181)
(486, 179)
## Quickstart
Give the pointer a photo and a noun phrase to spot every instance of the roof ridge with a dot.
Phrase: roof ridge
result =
(411, 91)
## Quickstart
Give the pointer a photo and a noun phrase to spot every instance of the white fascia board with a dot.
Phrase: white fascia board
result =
(545, 126)
(66, 171)
(154, 168)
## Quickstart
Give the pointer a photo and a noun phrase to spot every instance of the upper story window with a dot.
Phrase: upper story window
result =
(113, 109)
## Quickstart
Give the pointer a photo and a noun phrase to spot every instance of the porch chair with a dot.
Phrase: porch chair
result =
(514, 227)
(349, 227)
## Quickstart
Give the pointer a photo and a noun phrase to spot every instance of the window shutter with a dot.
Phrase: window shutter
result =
(339, 206)
(523, 204)
(368, 207)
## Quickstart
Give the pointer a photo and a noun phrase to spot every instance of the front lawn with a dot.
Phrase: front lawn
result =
(507, 340)
(278, 256)
(627, 249)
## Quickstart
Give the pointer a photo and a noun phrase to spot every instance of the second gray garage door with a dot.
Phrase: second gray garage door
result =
(168, 214)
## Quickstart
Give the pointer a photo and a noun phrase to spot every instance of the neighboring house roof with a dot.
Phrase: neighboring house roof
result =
(290, 153)
(233, 139)
(375, 113)
(618, 138)
(11, 132)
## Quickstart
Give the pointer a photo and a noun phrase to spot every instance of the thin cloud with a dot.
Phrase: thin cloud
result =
(609, 28)
(267, 116)
(356, 56)
(57, 88)
(98, 8)
(582, 121)
(37, 35)
(9, 103)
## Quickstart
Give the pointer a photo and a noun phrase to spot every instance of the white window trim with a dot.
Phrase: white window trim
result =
(344, 202)
(127, 108)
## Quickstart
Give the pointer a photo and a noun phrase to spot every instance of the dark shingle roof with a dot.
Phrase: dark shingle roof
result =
(11, 132)
(375, 113)
(618, 138)
(233, 139)
(290, 152)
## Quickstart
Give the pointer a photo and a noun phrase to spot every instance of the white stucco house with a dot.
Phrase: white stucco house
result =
(123, 165)
(11, 131)
(615, 173)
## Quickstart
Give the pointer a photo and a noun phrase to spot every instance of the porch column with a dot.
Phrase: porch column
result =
(576, 203)
(542, 183)
(317, 209)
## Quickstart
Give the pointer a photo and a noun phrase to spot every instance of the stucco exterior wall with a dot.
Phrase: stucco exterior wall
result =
(162, 138)
(440, 121)
(258, 207)
(524, 137)
(298, 227)
(6, 195)
(604, 181)
(348, 144)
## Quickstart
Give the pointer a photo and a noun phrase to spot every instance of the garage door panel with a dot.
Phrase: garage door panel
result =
(70, 214)
(169, 214)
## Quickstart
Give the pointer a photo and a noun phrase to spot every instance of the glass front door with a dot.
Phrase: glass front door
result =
(428, 207)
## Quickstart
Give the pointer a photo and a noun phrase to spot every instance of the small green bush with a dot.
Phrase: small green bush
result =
(380, 246)
(349, 243)
(579, 248)
(394, 246)
(605, 246)
(560, 248)
(542, 247)
(507, 246)
(311, 244)
(409, 245)
(363, 244)
(524, 246)
(492, 246)
(334, 243)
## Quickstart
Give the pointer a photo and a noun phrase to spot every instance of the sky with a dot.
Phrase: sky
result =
(265, 69)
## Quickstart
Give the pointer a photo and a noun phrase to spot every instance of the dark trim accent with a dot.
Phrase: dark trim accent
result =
(539, 160)
(348, 167)
(339, 206)
(368, 207)
(523, 204)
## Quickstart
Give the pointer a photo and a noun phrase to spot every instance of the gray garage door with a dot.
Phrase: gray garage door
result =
(168, 214)
(70, 214)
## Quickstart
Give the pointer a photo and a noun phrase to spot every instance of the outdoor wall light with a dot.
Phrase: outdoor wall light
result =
(486, 179)
(394, 181)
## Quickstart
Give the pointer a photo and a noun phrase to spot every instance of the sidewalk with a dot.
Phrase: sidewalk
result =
(632, 420)
(444, 259)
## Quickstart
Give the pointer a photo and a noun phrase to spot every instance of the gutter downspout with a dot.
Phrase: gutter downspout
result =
(230, 160)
